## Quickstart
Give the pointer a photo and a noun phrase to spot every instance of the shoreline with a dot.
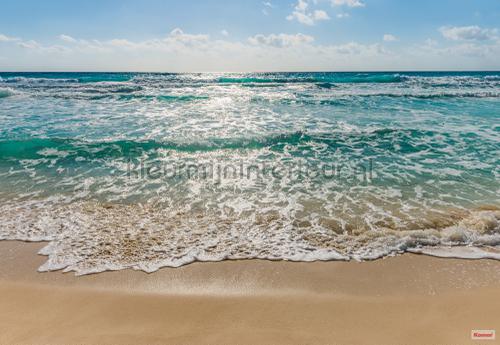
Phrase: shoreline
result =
(122, 236)
(423, 299)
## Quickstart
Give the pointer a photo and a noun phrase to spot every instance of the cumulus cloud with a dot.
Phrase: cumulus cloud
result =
(302, 14)
(267, 6)
(29, 44)
(37, 47)
(348, 3)
(224, 33)
(389, 38)
(280, 40)
(5, 38)
(67, 38)
(320, 15)
(468, 33)
(179, 36)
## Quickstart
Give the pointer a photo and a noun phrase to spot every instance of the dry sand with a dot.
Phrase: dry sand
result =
(408, 299)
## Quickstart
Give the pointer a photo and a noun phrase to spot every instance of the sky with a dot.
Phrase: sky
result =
(249, 35)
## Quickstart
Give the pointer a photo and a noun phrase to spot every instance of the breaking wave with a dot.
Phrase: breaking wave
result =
(408, 141)
(6, 92)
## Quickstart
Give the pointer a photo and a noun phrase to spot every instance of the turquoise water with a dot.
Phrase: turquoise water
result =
(149, 170)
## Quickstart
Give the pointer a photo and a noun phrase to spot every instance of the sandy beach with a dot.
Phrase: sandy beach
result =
(409, 299)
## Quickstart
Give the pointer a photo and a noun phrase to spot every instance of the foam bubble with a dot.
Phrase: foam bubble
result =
(90, 237)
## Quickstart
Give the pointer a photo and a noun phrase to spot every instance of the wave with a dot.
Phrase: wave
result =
(6, 92)
(376, 79)
(52, 78)
(131, 97)
(162, 98)
(322, 80)
(43, 147)
(346, 99)
(27, 80)
(325, 85)
(180, 98)
(118, 92)
(105, 77)
(128, 93)
(492, 77)
(479, 94)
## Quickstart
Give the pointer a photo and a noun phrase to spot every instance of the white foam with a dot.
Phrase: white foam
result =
(88, 237)
(460, 252)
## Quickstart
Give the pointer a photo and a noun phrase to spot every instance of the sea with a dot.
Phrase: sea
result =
(152, 170)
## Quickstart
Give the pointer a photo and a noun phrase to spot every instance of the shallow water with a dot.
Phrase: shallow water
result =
(148, 170)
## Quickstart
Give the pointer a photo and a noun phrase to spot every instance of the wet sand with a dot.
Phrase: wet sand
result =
(409, 299)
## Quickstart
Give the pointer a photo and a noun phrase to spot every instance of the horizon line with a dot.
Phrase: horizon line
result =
(263, 71)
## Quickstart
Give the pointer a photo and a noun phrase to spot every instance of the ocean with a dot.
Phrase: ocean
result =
(151, 170)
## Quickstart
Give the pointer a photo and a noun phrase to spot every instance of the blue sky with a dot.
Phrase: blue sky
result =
(247, 35)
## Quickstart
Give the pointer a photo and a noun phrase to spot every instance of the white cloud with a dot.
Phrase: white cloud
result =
(343, 15)
(120, 42)
(224, 33)
(348, 3)
(280, 40)
(467, 55)
(176, 32)
(4, 38)
(67, 38)
(320, 15)
(389, 38)
(267, 6)
(29, 44)
(354, 48)
(468, 33)
(302, 5)
(177, 35)
(186, 52)
(303, 16)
